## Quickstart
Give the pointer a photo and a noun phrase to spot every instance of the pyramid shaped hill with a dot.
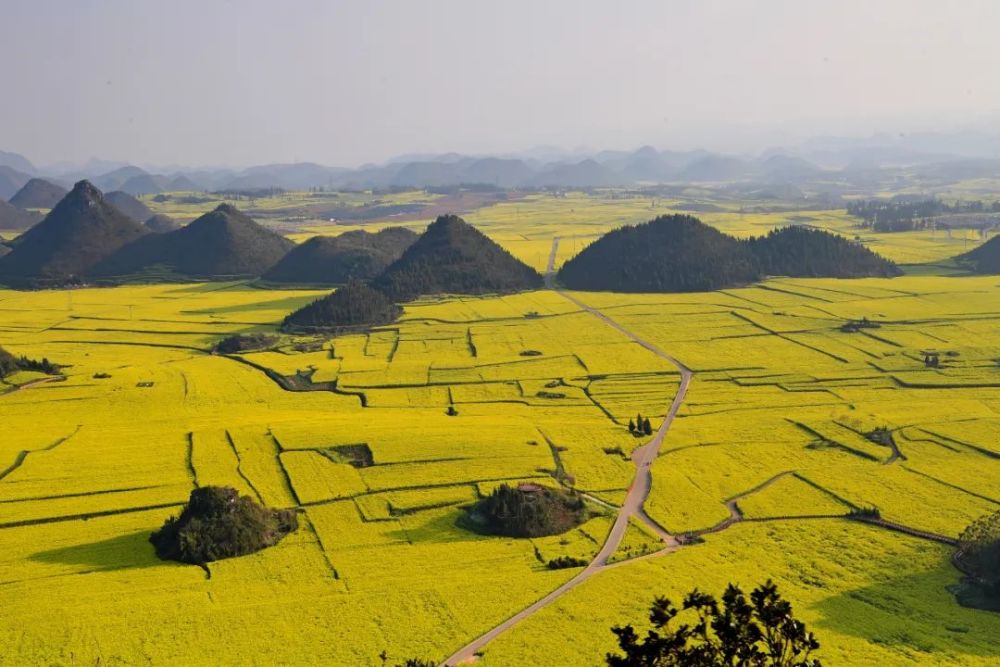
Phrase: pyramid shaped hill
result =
(79, 232)
(984, 258)
(453, 257)
(38, 193)
(801, 252)
(12, 217)
(161, 224)
(673, 253)
(222, 244)
(356, 255)
(128, 205)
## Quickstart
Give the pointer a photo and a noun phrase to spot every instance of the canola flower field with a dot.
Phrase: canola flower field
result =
(766, 457)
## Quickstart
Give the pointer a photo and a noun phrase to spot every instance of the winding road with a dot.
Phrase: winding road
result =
(638, 491)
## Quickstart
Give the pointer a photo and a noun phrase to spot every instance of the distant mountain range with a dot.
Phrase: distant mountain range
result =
(851, 162)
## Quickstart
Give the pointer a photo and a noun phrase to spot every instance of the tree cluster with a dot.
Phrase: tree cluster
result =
(10, 364)
(528, 510)
(896, 215)
(219, 523)
(813, 253)
(759, 632)
(640, 426)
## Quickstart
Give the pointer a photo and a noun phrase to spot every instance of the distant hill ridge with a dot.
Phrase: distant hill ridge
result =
(355, 255)
(453, 257)
(679, 253)
(15, 218)
(80, 231)
(223, 243)
(38, 193)
(128, 205)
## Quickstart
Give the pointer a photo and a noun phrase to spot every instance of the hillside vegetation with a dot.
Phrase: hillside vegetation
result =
(801, 252)
(353, 305)
(219, 523)
(38, 193)
(82, 230)
(679, 253)
(453, 257)
(985, 258)
(356, 255)
(12, 217)
(528, 510)
(673, 253)
(128, 205)
(223, 243)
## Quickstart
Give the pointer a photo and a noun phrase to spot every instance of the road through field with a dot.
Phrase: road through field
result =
(638, 491)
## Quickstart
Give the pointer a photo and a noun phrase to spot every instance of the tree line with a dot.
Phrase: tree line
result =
(894, 215)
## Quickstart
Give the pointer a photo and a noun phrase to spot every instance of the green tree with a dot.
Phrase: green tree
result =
(647, 428)
(759, 632)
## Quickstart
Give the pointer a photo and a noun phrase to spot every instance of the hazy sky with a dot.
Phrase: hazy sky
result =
(247, 81)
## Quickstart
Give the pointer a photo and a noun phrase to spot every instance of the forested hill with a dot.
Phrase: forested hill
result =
(353, 305)
(356, 255)
(673, 253)
(814, 253)
(985, 258)
(679, 253)
(454, 257)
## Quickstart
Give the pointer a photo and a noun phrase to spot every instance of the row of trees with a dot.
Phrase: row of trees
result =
(895, 215)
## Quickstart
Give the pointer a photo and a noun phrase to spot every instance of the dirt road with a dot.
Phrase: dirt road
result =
(642, 482)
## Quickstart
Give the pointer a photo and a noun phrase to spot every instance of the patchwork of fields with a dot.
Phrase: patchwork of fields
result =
(771, 435)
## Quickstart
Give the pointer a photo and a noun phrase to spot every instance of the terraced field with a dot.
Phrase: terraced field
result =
(768, 453)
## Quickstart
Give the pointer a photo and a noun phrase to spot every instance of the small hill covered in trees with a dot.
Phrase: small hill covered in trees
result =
(38, 193)
(128, 205)
(356, 255)
(223, 243)
(813, 253)
(985, 258)
(12, 217)
(679, 253)
(354, 305)
(82, 230)
(527, 510)
(219, 523)
(161, 224)
(9, 364)
(673, 253)
(454, 257)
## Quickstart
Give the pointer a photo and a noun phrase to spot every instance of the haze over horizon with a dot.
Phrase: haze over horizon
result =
(349, 83)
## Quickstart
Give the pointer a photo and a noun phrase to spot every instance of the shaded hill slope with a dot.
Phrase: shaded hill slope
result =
(223, 243)
(673, 253)
(79, 232)
(985, 258)
(804, 252)
(38, 193)
(454, 257)
(356, 255)
(128, 205)
(12, 217)
(161, 224)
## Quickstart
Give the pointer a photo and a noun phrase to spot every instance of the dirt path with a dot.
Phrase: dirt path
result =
(638, 491)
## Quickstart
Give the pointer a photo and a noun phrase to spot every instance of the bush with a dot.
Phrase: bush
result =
(244, 343)
(219, 523)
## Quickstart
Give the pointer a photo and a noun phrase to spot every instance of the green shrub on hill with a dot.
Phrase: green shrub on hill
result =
(219, 523)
